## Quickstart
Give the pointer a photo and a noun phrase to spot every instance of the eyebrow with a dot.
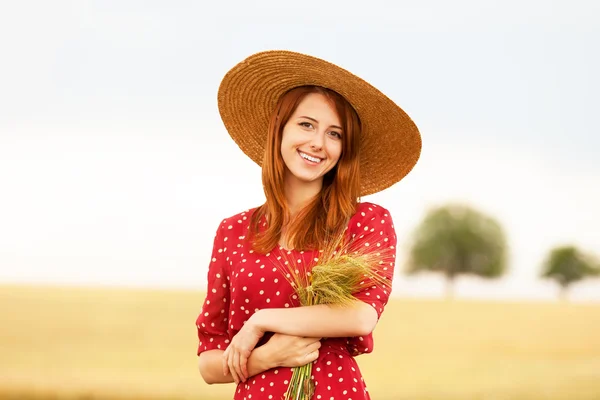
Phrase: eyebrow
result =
(314, 120)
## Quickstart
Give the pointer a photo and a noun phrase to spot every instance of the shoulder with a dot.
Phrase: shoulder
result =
(366, 210)
(370, 217)
(236, 223)
(238, 218)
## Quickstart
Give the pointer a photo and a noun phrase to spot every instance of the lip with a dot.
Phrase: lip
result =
(309, 154)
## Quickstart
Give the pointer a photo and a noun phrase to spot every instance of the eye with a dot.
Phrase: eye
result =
(307, 125)
(335, 134)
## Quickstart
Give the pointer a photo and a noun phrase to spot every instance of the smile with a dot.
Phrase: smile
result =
(309, 158)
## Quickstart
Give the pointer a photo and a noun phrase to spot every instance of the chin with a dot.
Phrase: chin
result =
(308, 179)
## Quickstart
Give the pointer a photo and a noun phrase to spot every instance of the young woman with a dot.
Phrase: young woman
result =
(323, 137)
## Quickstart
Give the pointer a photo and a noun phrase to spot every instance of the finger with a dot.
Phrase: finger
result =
(244, 366)
(310, 340)
(312, 347)
(236, 365)
(312, 356)
(224, 361)
(230, 363)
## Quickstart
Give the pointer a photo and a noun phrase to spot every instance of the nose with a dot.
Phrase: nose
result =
(317, 141)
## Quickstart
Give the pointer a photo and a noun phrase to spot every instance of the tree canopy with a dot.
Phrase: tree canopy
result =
(456, 239)
(567, 264)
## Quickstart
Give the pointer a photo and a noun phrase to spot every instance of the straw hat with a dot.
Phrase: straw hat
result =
(390, 143)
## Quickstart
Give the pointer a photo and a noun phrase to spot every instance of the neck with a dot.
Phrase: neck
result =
(299, 193)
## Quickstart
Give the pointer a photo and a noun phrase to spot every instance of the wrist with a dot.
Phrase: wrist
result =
(256, 323)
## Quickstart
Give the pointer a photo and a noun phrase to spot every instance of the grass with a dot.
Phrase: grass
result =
(92, 343)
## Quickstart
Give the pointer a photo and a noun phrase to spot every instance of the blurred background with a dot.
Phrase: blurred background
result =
(115, 171)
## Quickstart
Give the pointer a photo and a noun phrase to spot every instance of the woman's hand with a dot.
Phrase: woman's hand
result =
(291, 351)
(235, 358)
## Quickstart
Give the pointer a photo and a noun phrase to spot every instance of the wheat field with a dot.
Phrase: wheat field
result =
(119, 344)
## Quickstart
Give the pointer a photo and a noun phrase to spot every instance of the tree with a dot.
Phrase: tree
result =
(456, 239)
(566, 265)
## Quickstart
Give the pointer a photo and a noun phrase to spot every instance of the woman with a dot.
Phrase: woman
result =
(323, 137)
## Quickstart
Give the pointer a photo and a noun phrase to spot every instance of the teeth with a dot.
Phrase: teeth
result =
(309, 158)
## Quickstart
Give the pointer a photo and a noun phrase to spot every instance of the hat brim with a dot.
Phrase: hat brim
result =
(390, 144)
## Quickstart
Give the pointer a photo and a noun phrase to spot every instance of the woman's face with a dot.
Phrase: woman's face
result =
(311, 144)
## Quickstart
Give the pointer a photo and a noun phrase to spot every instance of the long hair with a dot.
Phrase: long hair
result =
(328, 212)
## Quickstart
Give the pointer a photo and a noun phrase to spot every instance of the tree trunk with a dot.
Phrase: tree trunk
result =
(449, 289)
(563, 294)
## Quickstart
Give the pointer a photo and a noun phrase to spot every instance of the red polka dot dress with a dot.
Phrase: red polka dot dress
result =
(241, 282)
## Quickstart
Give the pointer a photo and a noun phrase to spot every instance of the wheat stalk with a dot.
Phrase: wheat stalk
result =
(343, 269)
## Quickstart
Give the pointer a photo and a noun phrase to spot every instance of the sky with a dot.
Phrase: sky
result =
(115, 168)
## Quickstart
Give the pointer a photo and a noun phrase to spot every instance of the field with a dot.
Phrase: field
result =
(91, 343)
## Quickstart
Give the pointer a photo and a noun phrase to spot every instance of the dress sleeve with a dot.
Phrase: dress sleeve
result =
(212, 322)
(374, 232)
(373, 228)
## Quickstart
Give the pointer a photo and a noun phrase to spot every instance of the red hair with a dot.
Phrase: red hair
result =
(329, 212)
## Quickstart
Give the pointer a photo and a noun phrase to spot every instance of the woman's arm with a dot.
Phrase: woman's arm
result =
(210, 364)
(279, 351)
(316, 321)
